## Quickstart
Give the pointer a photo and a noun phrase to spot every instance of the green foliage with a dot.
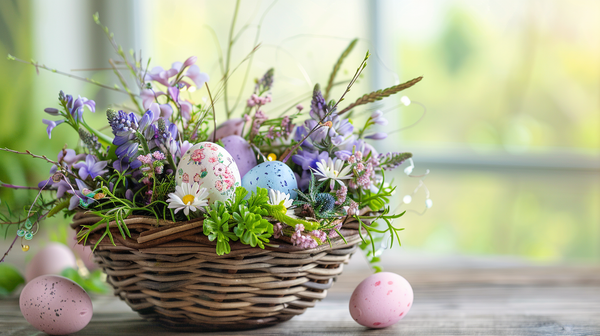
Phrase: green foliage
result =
(251, 228)
(319, 203)
(238, 198)
(93, 282)
(10, 279)
(216, 226)
(258, 200)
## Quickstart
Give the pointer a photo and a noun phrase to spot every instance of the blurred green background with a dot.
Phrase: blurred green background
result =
(512, 90)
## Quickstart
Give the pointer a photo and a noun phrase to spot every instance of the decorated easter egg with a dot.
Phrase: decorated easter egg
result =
(52, 259)
(55, 305)
(381, 300)
(232, 126)
(271, 175)
(241, 151)
(212, 167)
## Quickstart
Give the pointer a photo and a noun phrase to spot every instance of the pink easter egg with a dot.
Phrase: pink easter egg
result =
(381, 300)
(55, 305)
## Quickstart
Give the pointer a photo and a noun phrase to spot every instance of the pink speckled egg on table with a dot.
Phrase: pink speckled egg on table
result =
(55, 305)
(381, 300)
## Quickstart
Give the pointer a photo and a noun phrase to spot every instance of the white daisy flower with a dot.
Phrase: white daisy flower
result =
(332, 169)
(276, 196)
(188, 197)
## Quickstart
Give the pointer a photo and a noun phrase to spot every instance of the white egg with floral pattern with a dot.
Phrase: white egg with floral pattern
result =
(212, 167)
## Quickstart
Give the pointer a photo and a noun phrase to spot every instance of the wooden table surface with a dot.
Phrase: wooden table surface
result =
(451, 298)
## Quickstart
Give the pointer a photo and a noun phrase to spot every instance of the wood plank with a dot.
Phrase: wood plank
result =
(515, 300)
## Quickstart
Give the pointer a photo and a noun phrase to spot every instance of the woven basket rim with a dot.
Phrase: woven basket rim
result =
(159, 232)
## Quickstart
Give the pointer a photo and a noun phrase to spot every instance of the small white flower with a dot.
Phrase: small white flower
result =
(188, 197)
(332, 169)
(276, 196)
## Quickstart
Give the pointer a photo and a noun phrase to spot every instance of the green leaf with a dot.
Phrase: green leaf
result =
(10, 279)
(234, 203)
(259, 198)
(93, 283)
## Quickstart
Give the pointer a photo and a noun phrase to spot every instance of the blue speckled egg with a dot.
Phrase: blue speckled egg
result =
(241, 151)
(271, 175)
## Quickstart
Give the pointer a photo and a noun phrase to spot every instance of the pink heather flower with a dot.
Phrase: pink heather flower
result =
(277, 230)
(268, 98)
(364, 181)
(285, 121)
(158, 155)
(250, 102)
(359, 155)
(159, 169)
(341, 194)
(360, 167)
(352, 185)
(352, 209)
(146, 159)
(260, 115)
(352, 159)
(332, 232)
(247, 118)
(299, 227)
(322, 236)
(300, 107)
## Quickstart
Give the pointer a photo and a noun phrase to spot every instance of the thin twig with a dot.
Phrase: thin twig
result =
(27, 152)
(361, 67)
(12, 186)
(124, 83)
(87, 80)
(10, 248)
(252, 56)
(227, 61)
(212, 105)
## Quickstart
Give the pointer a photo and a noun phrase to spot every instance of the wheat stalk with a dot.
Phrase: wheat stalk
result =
(380, 94)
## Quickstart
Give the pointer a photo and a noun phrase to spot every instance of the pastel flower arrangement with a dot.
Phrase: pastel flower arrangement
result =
(132, 171)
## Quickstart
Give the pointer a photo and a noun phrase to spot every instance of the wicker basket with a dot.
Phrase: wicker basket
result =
(171, 274)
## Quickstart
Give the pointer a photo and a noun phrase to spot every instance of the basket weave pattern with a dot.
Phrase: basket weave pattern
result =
(172, 275)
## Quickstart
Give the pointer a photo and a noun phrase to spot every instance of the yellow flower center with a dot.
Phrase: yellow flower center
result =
(188, 199)
(272, 157)
(335, 173)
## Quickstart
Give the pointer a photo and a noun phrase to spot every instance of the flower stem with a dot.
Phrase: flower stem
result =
(227, 61)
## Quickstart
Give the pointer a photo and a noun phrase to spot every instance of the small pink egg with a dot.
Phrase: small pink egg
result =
(55, 305)
(52, 259)
(381, 300)
(232, 126)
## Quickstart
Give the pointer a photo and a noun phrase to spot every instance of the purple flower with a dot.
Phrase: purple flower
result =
(75, 107)
(52, 111)
(158, 74)
(121, 165)
(69, 156)
(377, 118)
(51, 124)
(199, 78)
(91, 167)
(80, 197)
(149, 97)
(377, 136)
(308, 159)
(183, 148)
(174, 93)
